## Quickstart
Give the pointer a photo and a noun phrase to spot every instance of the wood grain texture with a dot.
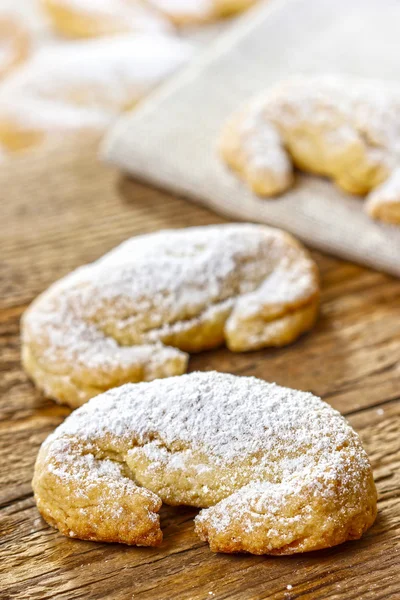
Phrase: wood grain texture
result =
(56, 218)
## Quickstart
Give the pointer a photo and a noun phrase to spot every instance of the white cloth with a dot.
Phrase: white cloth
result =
(170, 139)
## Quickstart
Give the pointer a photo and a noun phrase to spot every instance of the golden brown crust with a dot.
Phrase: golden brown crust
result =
(276, 471)
(343, 128)
(105, 506)
(85, 19)
(135, 314)
(383, 203)
(309, 522)
(195, 12)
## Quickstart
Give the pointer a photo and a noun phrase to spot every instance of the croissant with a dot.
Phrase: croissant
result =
(275, 470)
(134, 314)
(84, 86)
(347, 129)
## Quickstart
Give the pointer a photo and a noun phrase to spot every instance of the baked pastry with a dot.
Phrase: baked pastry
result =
(190, 12)
(14, 45)
(344, 128)
(85, 18)
(84, 85)
(277, 471)
(134, 314)
(384, 201)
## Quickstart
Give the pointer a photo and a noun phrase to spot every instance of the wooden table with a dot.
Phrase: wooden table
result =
(62, 209)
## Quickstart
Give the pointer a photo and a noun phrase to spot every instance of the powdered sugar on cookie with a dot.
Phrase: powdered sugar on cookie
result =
(341, 127)
(185, 10)
(85, 85)
(280, 470)
(189, 12)
(133, 315)
(85, 18)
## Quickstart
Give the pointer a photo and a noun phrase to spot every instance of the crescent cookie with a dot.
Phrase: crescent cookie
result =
(134, 314)
(275, 470)
(190, 12)
(14, 45)
(344, 128)
(85, 18)
(84, 85)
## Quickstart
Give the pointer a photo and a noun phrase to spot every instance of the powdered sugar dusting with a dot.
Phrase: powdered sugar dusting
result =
(88, 84)
(119, 15)
(223, 414)
(118, 311)
(344, 109)
(388, 193)
(342, 127)
(258, 445)
(186, 9)
(197, 11)
(263, 150)
(227, 415)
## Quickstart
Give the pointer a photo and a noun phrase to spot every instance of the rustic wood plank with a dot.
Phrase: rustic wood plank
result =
(59, 218)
